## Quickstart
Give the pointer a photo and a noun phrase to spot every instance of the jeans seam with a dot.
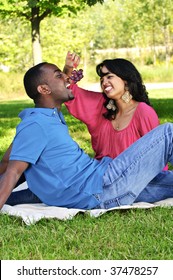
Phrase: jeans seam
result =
(117, 199)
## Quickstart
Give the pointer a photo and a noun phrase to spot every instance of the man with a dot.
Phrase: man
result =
(59, 173)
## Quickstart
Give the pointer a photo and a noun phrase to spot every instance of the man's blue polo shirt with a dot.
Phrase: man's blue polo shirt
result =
(60, 173)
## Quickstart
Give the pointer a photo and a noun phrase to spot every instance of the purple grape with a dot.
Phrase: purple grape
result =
(77, 75)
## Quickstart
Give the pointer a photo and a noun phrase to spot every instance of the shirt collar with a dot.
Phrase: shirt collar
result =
(46, 111)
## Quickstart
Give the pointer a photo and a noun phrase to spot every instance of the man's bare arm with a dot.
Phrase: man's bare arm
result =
(10, 177)
(5, 160)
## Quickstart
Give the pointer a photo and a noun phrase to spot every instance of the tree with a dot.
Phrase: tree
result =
(151, 24)
(35, 11)
(15, 44)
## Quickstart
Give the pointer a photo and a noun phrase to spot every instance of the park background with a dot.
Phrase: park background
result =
(34, 31)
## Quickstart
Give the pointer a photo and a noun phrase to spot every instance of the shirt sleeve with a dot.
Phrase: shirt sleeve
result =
(148, 119)
(28, 143)
(86, 106)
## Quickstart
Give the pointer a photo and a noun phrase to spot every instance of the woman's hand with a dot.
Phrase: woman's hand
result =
(72, 60)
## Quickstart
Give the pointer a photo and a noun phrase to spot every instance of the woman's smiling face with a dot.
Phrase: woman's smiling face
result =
(112, 85)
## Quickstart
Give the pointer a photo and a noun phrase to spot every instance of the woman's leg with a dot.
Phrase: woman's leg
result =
(161, 187)
(129, 174)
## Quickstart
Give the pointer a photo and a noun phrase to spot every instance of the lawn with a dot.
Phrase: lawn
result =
(141, 234)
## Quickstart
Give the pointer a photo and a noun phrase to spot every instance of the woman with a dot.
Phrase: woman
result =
(121, 114)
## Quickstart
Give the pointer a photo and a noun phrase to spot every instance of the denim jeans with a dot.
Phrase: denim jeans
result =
(136, 174)
(22, 196)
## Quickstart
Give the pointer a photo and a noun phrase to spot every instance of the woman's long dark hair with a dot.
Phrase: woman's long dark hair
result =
(125, 70)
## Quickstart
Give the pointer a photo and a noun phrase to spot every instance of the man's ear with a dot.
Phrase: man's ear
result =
(43, 89)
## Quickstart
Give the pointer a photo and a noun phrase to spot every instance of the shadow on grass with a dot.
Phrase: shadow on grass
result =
(9, 120)
(164, 109)
(11, 109)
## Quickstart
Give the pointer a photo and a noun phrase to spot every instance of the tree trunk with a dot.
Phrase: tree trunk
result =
(154, 44)
(35, 29)
(166, 41)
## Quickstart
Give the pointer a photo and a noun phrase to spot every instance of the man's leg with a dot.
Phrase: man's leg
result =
(129, 173)
(22, 196)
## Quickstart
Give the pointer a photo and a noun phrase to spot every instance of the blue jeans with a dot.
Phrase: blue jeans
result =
(22, 196)
(136, 174)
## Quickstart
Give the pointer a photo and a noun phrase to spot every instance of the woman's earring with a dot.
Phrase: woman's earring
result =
(111, 105)
(126, 97)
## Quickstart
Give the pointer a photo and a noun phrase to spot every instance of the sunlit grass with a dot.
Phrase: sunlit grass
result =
(129, 234)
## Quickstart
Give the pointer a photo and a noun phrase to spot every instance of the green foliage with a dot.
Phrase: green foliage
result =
(22, 8)
(15, 47)
(35, 11)
(146, 26)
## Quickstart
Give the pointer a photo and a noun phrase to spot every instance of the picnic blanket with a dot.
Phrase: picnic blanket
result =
(32, 213)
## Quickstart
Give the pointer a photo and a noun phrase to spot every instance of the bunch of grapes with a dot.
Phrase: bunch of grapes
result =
(77, 75)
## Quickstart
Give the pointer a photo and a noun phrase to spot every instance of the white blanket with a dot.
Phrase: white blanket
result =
(31, 213)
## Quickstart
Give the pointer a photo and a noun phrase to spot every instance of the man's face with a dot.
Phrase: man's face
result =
(58, 84)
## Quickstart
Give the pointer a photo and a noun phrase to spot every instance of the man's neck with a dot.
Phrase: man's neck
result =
(46, 105)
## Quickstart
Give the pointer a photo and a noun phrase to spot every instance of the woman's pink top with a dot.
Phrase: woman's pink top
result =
(88, 106)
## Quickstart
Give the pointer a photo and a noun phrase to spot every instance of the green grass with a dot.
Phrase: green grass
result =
(162, 101)
(11, 86)
(126, 234)
(157, 73)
